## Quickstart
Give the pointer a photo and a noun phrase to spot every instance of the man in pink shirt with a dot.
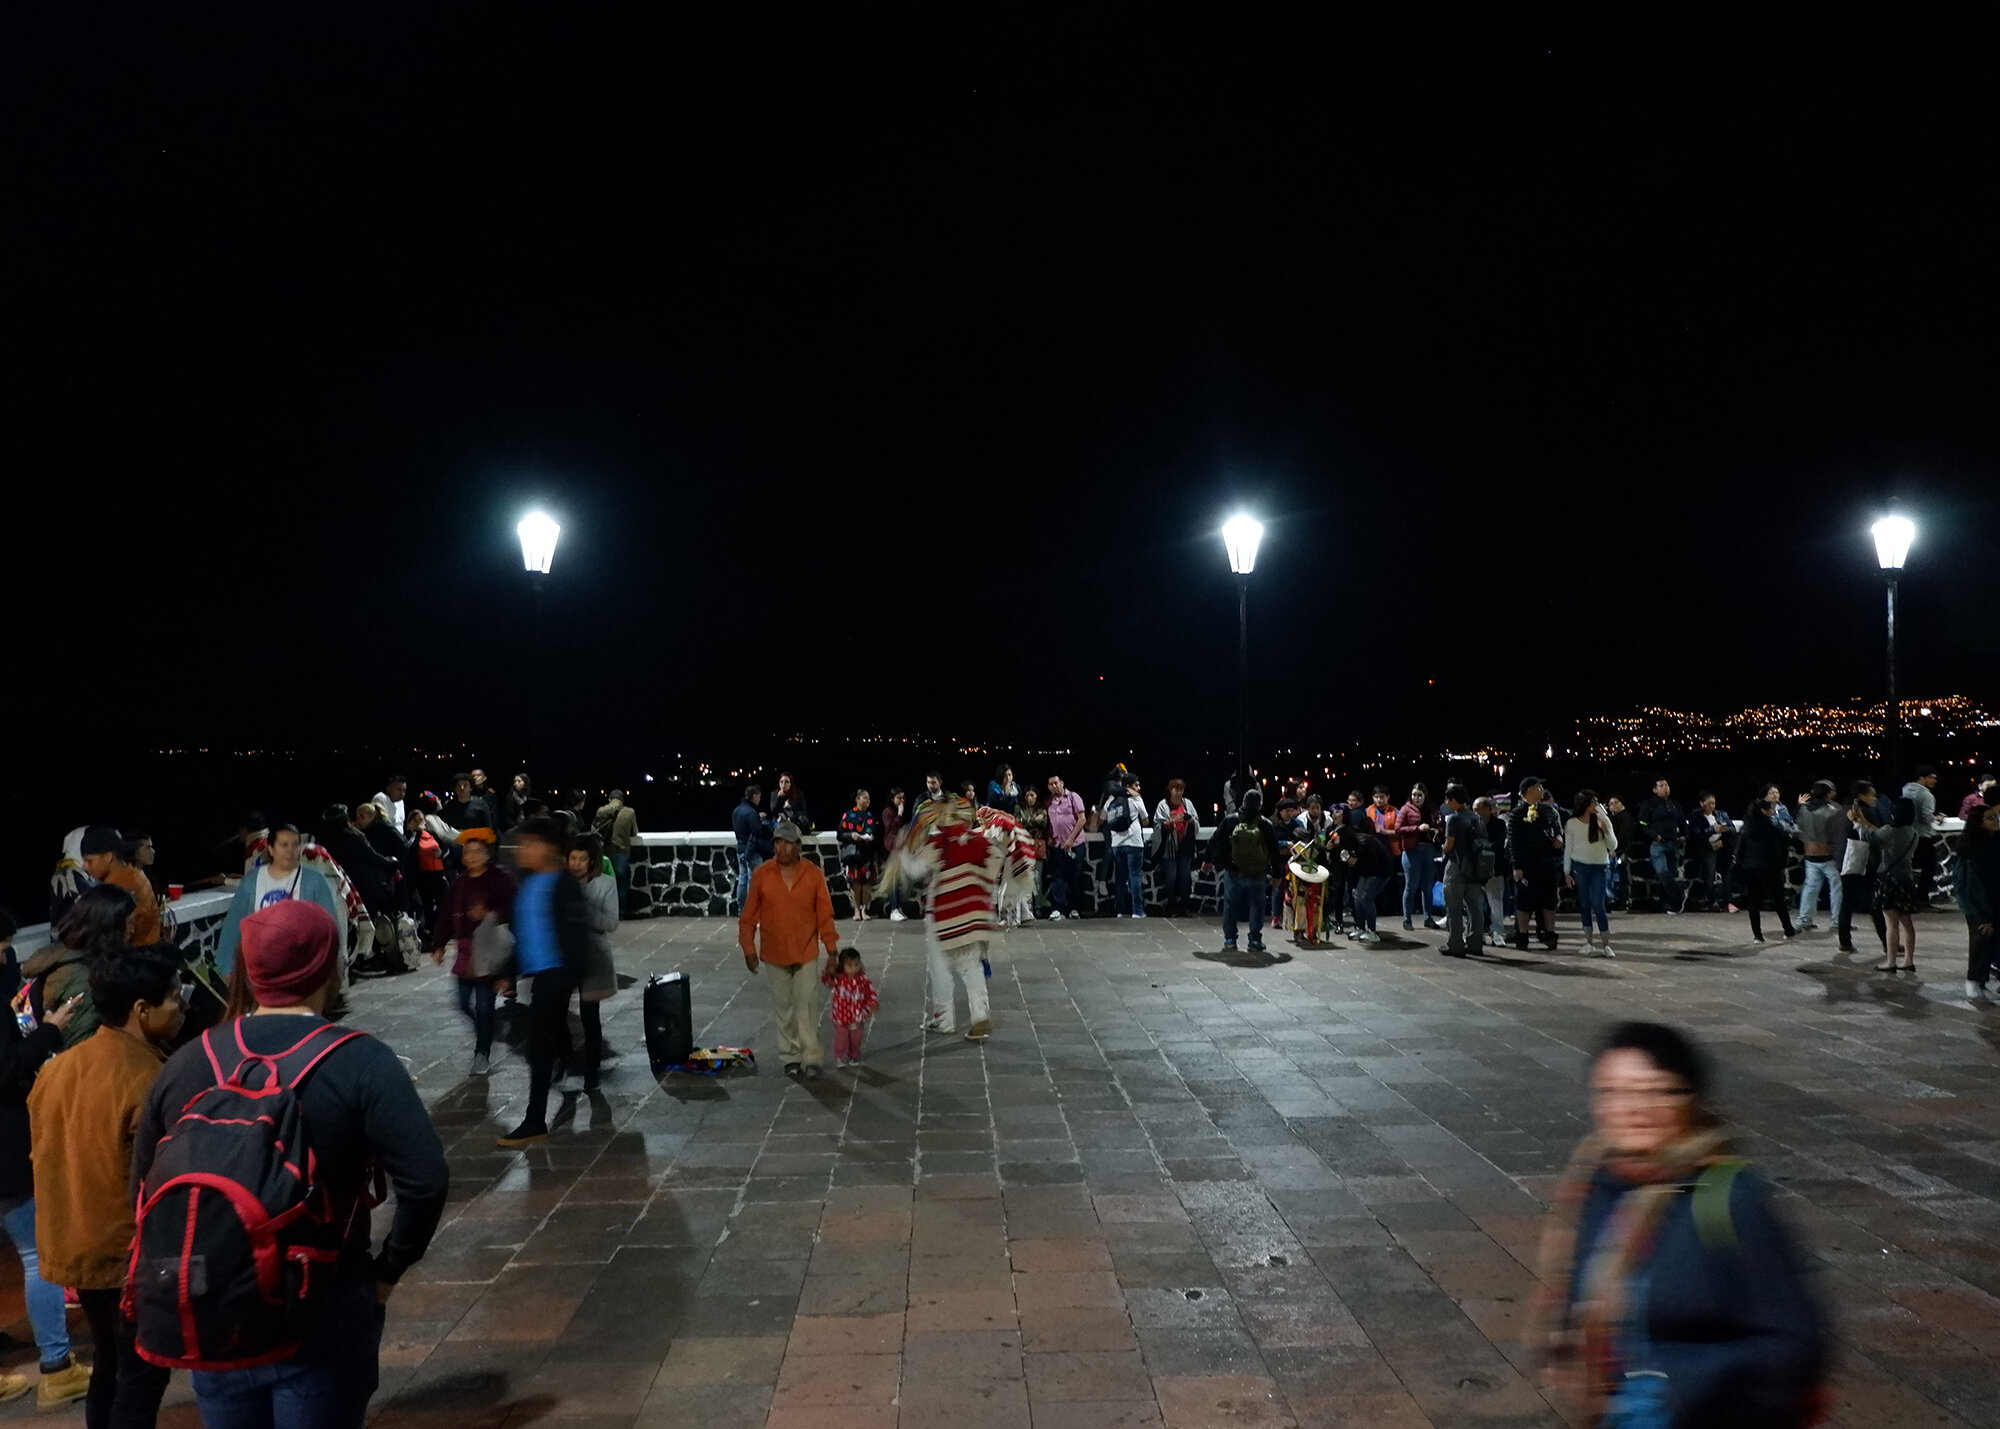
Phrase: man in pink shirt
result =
(1066, 831)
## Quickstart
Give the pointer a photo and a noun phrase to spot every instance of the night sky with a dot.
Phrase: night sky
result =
(856, 365)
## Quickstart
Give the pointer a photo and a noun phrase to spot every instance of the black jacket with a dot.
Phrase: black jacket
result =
(1496, 839)
(21, 1057)
(1531, 845)
(374, 875)
(1662, 820)
(1763, 847)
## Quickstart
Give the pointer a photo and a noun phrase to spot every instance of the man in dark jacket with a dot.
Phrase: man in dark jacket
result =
(551, 948)
(364, 1113)
(1534, 853)
(1246, 867)
(1625, 827)
(374, 878)
(1822, 824)
(753, 841)
(1664, 823)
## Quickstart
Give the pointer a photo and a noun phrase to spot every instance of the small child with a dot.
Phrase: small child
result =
(853, 1005)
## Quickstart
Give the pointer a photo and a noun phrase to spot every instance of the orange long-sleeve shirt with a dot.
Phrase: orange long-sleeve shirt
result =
(791, 918)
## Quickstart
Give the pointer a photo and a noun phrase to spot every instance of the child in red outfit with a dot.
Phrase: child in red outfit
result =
(853, 1005)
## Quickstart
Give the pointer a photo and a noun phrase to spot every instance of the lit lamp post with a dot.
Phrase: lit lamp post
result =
(1893, 535)
(1241, 535)
(538, 533)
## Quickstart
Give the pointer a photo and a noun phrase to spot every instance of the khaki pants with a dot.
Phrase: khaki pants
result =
(795, 1006)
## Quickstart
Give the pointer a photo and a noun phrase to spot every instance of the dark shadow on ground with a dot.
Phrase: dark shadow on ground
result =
(1244, 958)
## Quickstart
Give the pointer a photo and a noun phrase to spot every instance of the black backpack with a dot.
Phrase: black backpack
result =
(237, 1241)
(1476, 863)
(1120, 822)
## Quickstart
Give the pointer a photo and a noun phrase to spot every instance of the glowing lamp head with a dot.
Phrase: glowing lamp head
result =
(1893, 536)
(538, 541)
(1241, 535)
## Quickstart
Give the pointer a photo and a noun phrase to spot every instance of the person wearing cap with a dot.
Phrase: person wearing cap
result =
(105, 858)
(617, 828)
(85, 1126)
(364, 1113)
(482, 889)
(283, 875)
(552, 950)
(786, 910)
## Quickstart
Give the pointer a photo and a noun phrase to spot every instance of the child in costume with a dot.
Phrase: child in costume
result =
(853, 1005)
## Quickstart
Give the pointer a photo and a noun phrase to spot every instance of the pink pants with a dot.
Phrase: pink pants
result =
(847, 1042)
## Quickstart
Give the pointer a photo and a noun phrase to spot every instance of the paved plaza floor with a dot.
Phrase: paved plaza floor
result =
(1171, 1189)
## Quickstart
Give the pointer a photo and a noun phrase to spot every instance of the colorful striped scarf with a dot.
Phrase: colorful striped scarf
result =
(1580, 1339)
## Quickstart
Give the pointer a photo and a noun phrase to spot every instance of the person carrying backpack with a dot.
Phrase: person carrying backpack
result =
(1245, 848)
(265, 1286)
(1468, 863)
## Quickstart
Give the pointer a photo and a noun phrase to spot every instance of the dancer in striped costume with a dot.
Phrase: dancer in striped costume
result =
(976, 861)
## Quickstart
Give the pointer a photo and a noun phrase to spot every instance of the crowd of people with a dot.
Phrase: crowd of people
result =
(1487, 871)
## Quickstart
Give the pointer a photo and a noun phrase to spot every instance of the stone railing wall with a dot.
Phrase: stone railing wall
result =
(693, 875)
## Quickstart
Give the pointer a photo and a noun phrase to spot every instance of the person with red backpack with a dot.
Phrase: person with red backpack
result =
(260, 1153)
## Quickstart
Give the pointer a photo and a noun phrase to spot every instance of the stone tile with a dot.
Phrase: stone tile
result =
(938, 1310)
(967, 1354)
(1077, 1328)
(812, 1380)
(1221, 1402)
(962, 1403)
(1097, 1414)
(1059, 1255)
(1052, 1289)
(846, 1335)
(1087, 1375)
(724, 1361)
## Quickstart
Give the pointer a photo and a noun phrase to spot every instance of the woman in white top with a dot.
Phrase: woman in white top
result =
(1588, 844)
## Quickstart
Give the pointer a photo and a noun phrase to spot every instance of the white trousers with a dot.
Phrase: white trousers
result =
(959, 964)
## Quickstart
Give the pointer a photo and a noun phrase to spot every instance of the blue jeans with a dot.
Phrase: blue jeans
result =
(1820, 871)
(326, 1385)
(621, 869)
(1366, 891)
(1243, 897)
(1419, 873)
(1615, 878)
(1178, 875)
(1130, 880)
(1590, 895)
(746, 864)
(1666, 863)
(45, 1301)
(475, 1000)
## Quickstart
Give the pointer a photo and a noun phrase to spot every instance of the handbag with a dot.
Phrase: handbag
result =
(492, 948)
(1853, 857)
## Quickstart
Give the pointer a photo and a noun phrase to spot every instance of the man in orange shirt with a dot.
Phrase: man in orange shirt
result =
(785, 910)
(104, 859)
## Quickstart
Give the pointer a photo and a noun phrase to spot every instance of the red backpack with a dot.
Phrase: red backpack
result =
(237, 1240)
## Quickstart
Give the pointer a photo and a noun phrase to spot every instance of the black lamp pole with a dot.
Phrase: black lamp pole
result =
(1242, 681)
(1895, 705)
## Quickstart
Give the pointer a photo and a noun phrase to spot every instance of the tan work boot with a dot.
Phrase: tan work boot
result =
(61, 1386)
(979, 1031)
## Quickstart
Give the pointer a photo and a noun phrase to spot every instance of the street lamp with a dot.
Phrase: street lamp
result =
(538, 532)
(1893, 536)
(1241, 535)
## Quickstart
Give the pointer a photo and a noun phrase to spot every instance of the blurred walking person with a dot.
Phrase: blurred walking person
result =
(474, 923)
(1896, 893)
(1670, 1295)
(1822, 826)
(1978, 893)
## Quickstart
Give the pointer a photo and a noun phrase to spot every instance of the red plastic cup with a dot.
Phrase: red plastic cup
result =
(174, 892)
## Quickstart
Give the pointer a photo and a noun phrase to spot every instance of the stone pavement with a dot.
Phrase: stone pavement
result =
(1171, 1189)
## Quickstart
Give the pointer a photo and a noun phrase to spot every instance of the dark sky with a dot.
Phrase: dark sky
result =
(1564, 379)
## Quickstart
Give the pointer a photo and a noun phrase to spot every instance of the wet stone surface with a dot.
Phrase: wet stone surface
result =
(1170, 1190)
